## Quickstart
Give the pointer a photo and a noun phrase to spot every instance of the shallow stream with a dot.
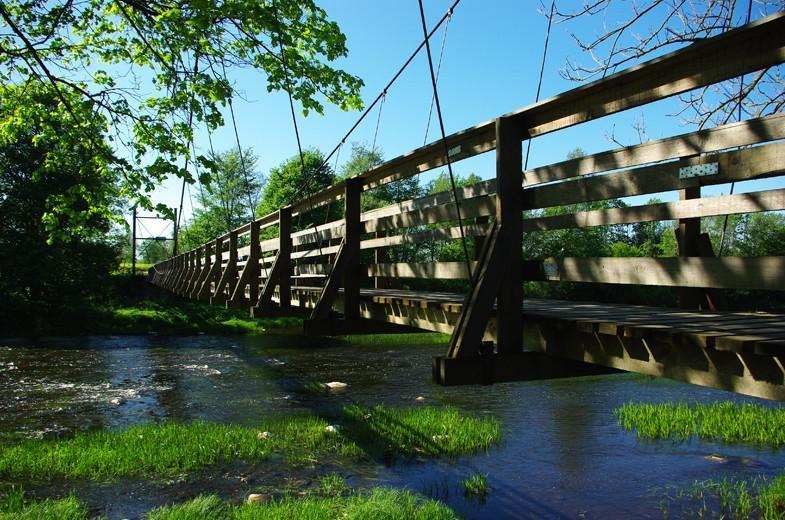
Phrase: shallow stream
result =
(562, 453)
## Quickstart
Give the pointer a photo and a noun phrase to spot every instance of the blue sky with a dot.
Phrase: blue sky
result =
(490, 67)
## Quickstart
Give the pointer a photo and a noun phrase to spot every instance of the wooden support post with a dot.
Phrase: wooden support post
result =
(509, 213)
(229, 275)
(381, 256)
(494, 279)
(346, 268)
(285, 256)
(250, 273)
(352, 232)
(478, 241)
(687, 241)
(280, 272)
(214, 273)
(203, 273)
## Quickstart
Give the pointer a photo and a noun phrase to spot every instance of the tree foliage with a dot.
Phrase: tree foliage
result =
(154, 70)
(227, 202)
(295, 179)
(647, 28)
(57, 198)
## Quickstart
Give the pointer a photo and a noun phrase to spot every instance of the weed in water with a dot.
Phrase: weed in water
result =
(332, 485)
(476, 485)
(427, 431)
(721, 421)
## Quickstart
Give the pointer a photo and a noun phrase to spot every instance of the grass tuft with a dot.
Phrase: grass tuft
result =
(14, 505)
(379, 503)
(176, 448)
(476, 485)
(721, 421)
(426, 431)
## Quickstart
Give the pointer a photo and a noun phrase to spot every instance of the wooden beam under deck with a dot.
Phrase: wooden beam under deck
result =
(735, 351)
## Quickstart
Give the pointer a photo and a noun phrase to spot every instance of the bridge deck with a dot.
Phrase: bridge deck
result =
(741, 332)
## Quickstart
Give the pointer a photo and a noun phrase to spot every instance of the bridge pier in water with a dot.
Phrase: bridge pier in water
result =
(497, 334)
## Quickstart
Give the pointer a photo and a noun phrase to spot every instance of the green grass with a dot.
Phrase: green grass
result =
(14, 504)
(332, 485)
(771, 499)
(379, 504)
(725, 422)
(721, 421)
(175, 448)
(424, 338)
(179, 318)
(429, 431)
(476, 485)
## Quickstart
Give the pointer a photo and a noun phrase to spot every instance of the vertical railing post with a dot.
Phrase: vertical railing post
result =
(352, 231)
(233, 259)
(254, 257)
(687, 238)
(285, 256)
(509, 211)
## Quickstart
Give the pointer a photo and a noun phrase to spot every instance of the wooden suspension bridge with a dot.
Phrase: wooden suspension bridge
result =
(496, 334)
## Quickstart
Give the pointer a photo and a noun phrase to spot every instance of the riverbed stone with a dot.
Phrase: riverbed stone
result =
(335, 385)
(258, 498)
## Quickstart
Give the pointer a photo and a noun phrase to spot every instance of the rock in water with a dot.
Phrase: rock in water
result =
(419, 398)
(332, 428)
(335, 385)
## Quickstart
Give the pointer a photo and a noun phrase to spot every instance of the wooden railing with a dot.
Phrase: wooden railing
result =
(307, 268)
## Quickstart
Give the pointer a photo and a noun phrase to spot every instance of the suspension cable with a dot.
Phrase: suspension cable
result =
(251, 207)
(394, 78)
(438, 72)
(539, 81)
(304, 174)
(738, 118)
(444, 141)
(378, 119)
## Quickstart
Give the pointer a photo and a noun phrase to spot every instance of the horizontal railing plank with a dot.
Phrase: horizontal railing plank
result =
(738, 165)
(759, 273)
(431, 270)
(771, 200)
(743, 133)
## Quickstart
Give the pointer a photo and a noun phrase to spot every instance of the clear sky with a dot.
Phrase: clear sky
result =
(491, 64)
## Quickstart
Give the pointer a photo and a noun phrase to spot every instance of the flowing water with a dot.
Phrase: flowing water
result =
(562, 453)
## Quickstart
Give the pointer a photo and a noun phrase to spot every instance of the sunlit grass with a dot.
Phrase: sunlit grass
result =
(379, 503)
(174, 318)
(422, 430)
(476, 485)
(725, 422)
(14, 504)
(175, 448)
(721, 421)
(424, 338)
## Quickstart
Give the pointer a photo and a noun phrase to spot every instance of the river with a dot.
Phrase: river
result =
(562, 453)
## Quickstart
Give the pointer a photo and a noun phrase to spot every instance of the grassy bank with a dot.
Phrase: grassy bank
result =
(378, 503)
(14, 504)
(724, 422)
(175, 448)
(721, 421)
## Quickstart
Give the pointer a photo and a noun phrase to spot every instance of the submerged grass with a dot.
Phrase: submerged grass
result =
(175, 448)
(721, 421)
(725, 422)
(378, 503)
(476, 485)
(426, 431)
(13, 504)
